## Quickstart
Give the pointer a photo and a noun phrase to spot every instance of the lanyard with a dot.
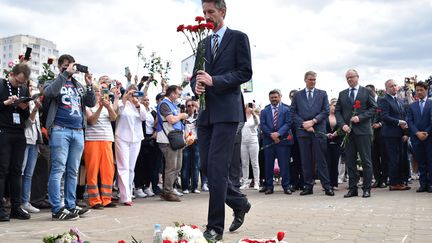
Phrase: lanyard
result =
(10, 89)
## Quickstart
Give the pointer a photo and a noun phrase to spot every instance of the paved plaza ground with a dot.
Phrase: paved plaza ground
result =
(388, 216)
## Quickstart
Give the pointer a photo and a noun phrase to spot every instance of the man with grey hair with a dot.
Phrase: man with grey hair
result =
(356, 123)
(310, 109)
(394, 131)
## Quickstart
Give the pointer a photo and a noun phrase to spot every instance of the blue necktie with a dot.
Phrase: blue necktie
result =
(422, 103)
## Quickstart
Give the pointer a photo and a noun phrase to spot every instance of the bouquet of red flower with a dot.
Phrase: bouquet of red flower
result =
(356, 106)
(195, 35)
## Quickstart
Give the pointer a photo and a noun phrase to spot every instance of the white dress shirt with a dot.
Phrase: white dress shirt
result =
(129, 123)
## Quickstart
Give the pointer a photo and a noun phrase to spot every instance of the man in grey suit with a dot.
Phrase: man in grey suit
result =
(310, 109)
(358, 129)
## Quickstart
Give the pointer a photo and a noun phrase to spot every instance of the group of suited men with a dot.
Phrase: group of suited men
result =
(358, 113)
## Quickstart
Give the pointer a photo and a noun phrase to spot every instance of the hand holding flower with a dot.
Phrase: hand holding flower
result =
(204, 78)
(355, 119)
(346, 128)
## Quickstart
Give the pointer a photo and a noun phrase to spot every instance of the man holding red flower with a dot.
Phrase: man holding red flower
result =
(356, 123)
(228, 65)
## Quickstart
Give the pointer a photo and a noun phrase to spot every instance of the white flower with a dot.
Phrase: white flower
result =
(170, 233)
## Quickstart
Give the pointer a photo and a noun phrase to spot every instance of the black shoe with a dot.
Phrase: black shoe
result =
(98, 207)
(4, 216)
(268, 191)
(422, 189)
(263, 189)
(375, 184)
(306, 192)
(382, 185)
(329, 192)
(19, 213)
(293, 188)
(82, 212)
(239, 217)
(366, 193)
(111, 205)
(64, 215)
(287, 191)
(351, 193)
(211, 236)
(43, 204)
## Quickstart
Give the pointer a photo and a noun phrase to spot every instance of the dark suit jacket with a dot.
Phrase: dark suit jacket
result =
(418, 122)
(301, 111)
(344, 111)
(230, 68)
(283, 124)
(391, 113)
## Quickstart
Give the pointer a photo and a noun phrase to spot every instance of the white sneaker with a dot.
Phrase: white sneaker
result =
(205, 188)
(139, 193)
(256, 186)
(244, 186)
(196, 191)
(149, 192)
(177, 193)
(29, 208)
(186, 192)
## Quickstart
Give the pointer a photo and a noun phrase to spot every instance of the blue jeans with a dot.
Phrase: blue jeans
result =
(191, 167)
(29, 163)
(66, 149)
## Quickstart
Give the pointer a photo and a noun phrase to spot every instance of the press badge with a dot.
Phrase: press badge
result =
(16, 118)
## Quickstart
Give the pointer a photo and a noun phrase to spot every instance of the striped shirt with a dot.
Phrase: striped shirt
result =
(101, 130)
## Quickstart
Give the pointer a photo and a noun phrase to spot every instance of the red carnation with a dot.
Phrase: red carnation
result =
(182, 241)
(202, 26)
(180, 28)
(280, 235)
(166, 241)
(195, 28)
(199, 19)
(290, 137)
(194, 226)
(210, 25)
(357, 104)
(121, 241)
(189, 27)
(50, 61)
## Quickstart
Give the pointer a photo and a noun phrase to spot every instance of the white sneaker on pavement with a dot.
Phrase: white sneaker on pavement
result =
(205, 188)
(149, 192)
(139, 193)
(196, 191)
(29, 208)
(177, 193)
(185, 191)
(256, 186)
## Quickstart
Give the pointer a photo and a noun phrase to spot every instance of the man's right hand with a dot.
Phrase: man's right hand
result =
(346, 128)
(199, 88)
(10, 100)
(422, 135)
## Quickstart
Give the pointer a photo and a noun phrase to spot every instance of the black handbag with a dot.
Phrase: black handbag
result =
(175, 138)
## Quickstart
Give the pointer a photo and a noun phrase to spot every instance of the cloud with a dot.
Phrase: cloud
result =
(381, 39)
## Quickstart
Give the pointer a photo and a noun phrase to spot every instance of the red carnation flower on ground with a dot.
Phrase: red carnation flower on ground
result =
(121, 241)
(194, 226)
(280, 235)
(166, 241)
(357, 104)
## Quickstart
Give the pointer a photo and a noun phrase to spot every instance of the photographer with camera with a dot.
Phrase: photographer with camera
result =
(65, 123)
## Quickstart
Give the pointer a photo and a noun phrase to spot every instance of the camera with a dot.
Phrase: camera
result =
(250, 105)
(182, 108)
(105, 93)
(27, 53)
(81, 68)
(138, 94)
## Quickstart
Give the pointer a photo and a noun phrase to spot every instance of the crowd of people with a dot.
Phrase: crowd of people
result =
(124, 145)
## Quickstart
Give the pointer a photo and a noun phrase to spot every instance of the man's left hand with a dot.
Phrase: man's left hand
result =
(404, 138)
(355, 119)
(204, 78)
(308, 124)
(88, 79)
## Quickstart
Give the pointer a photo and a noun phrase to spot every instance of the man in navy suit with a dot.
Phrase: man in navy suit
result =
(228, 65)
(360, 133)
(392, 132)
(420, 125)
(275, 126)
(310, 109)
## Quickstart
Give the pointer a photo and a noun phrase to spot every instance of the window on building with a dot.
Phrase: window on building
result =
(10, 47)
(4, 48)
(43, 49)
(10, 55)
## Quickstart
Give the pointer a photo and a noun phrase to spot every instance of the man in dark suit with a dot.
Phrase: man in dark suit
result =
(296, 176)
(310, 109)
(359, 130)
(228, 65)
(275, 126)
(420, 125)
(392, 132)
(379, 163)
